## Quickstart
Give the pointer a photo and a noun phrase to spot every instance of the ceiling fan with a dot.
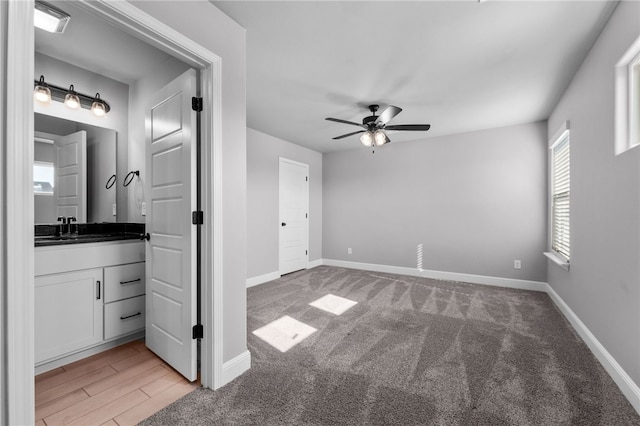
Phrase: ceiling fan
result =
(374, 126)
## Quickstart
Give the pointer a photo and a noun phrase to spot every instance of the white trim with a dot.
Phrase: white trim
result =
(261, 279)
(559, 134)
(314, 263)
(235, 367)
(442, 275)
(617, 373)
(553, 256)
(622, 114)
(17, 199)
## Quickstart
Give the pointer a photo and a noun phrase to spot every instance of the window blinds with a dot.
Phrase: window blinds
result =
(560, 193)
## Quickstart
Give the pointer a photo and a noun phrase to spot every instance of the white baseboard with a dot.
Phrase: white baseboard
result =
(441, 275)
(314, 263)
(235, 367)
(617, 373)
(261, 279)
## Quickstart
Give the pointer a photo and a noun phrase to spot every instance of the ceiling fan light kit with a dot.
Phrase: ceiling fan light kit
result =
(375, 125)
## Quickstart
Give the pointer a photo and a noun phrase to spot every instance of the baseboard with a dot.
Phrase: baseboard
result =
(617, 373)
(261, 279)
(235, 367)
(442, 275)
(314, 263)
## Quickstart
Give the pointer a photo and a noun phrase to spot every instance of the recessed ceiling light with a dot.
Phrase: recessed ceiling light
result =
(49, 18)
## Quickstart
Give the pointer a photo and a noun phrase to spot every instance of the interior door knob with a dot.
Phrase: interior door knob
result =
(284, 224)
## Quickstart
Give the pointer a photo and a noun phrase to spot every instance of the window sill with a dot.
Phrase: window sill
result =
(557, 260)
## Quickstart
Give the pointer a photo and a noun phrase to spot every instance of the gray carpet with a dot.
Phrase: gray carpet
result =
(412, 351)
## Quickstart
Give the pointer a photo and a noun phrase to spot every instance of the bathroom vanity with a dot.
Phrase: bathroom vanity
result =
(89, 294)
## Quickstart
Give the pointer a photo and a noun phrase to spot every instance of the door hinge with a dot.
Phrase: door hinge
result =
(306, 252)
(306, 178)
(306, 215)
(196, 104)
(198, 331)
(197, 217)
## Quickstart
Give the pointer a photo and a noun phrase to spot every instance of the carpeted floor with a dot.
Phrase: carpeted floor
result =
(411, 351)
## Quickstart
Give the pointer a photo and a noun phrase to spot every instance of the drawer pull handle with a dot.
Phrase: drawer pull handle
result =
(130, 281)
(98, 290)
(130, 316)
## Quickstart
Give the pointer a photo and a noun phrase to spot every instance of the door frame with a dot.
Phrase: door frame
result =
(16, 164)
(308, 168)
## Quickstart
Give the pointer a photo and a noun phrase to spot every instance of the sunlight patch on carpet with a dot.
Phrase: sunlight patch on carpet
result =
(284, 333)
(334, 304)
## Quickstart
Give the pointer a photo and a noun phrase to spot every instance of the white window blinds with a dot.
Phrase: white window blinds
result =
(560, 196)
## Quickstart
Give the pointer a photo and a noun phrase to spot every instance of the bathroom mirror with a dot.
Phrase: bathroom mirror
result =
(74, 171)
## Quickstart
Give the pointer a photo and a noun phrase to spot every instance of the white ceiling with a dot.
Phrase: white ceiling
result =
(93, 44)
(459, 65)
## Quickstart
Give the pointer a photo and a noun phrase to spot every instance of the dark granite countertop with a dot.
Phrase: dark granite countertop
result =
(50, 235)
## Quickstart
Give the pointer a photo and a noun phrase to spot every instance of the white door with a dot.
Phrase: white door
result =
(70, 165)
(294, 215)
(171, 251)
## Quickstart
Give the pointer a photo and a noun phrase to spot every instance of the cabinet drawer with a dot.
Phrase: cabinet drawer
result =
(123, 282)
(123, 317)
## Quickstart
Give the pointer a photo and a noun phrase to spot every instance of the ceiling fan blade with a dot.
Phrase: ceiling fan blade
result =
(388, 114)
(337, 120)
(349, 134)
(413, 127)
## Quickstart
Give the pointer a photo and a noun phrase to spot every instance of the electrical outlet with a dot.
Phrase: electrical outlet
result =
(143, 209)
(517, 264)
(349, 251)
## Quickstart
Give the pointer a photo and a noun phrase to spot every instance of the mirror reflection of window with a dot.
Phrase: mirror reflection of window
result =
(43, 178)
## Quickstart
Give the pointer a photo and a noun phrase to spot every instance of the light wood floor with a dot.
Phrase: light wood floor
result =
(121, 386)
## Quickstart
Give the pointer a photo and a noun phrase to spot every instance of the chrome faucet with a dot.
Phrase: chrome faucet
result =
(65, 226)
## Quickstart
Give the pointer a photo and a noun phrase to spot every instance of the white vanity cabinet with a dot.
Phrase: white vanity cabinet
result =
(88, 297)
(69, 312)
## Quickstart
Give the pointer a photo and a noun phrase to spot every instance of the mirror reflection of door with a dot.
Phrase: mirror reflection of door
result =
(90, 196)
(70, 166)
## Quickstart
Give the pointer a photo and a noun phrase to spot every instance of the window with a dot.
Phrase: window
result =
(561, 196)
(43, 178)
(627, 107)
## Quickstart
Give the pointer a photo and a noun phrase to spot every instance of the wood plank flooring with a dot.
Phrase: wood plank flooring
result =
(121, 386)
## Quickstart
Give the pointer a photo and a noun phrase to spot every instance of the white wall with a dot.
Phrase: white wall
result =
(603, 285)
(208, 26)
(114, 92)
(263, 152)
(476, 201)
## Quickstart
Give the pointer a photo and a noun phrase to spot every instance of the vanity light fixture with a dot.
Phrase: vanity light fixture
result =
(98, 106)
(71, 99)
(44, 92)
(49, 18)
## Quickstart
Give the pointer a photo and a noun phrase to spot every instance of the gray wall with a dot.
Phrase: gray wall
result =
(476, 201)
(263, 152)
(207, 25)
(603, 285)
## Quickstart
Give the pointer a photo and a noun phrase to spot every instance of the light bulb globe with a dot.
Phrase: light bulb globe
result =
(367, 139)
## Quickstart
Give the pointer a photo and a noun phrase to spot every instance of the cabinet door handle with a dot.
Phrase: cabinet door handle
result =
(130, 316)
(98, 290)
(130, 281)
